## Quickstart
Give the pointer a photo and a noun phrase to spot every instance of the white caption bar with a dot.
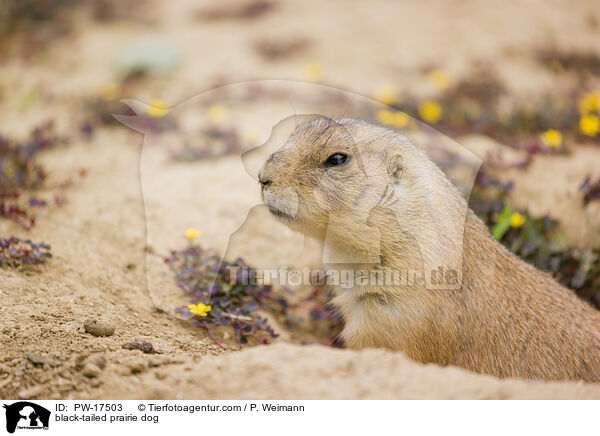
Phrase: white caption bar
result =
(246, 417)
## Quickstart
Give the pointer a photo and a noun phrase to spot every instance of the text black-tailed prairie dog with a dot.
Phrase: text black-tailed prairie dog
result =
(368, 193)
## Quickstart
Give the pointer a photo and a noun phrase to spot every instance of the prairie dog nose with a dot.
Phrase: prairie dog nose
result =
(264, 181)
(266, 173)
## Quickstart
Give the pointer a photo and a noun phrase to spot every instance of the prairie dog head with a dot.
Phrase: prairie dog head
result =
(331, 175)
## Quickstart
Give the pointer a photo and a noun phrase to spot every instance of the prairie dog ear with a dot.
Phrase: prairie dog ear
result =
(396, 167)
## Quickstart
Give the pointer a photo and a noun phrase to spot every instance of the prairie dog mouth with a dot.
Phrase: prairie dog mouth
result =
(283, 203)
(280, 214)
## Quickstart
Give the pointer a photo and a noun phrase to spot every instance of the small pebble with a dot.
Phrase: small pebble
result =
(98, 327)
(36, 359)
(91, 370)
(143, 346)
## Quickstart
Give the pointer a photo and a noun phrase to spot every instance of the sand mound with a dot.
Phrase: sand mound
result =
(285, 371)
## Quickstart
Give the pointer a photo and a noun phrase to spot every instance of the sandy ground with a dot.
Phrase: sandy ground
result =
(99, 237)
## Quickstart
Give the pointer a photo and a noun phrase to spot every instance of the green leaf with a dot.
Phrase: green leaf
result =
(503, 223)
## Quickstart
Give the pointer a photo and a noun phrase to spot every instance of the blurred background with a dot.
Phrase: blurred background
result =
(516, 82)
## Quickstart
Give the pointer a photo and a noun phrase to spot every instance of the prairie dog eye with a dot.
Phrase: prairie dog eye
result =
(337, 160)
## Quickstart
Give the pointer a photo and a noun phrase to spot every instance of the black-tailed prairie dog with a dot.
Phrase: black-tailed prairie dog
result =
(379, 204)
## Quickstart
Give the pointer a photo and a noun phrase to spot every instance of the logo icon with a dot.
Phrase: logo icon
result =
(26, 415)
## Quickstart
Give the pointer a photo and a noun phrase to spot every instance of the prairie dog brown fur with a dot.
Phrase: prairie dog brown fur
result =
(368, 193)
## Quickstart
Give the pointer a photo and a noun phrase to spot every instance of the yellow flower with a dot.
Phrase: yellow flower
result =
(157, 108)
(199, 309)
(385, 116)
(109, 92)
(192, 233)
(400, 119)
(516, 220)
(431, 111)
(217, 113)
(386, 94)
(312, 72)
(551, 138)
(439, 79)
(590, 102)
(589, 125)
(391, 118)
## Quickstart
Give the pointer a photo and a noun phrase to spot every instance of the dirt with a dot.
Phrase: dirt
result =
(99, 237)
